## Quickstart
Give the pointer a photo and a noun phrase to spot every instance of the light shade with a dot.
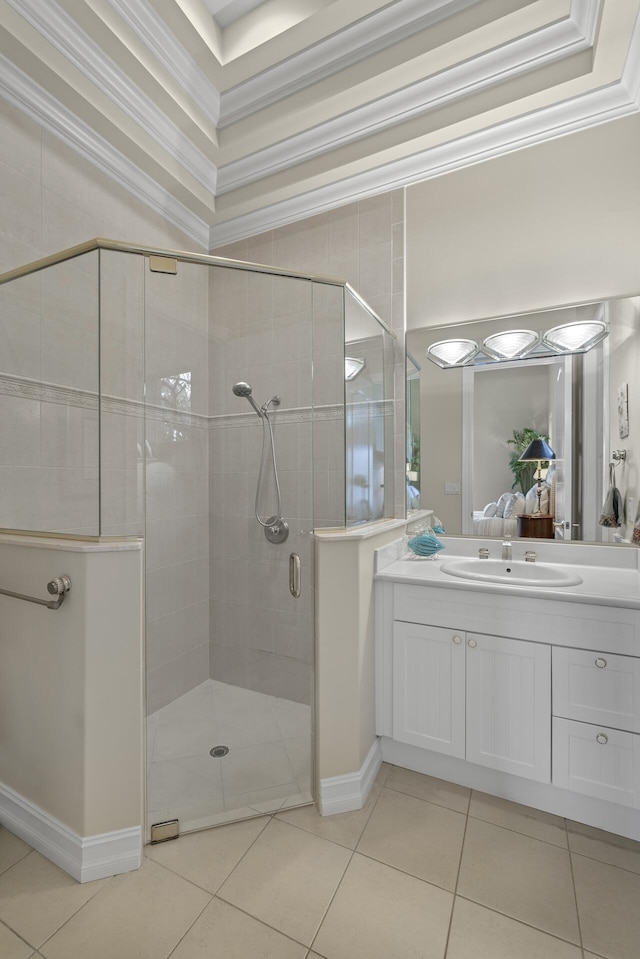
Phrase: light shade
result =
(510, 345)
(537, 450)
(352, 366)
(575, 337)
(447, 353)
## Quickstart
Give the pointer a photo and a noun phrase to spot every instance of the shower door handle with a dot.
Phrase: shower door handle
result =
(294, 575)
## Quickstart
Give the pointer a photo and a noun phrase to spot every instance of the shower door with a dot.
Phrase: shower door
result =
(229, 648)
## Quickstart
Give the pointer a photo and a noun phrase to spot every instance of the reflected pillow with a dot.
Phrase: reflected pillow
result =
(502, 502)
(490, 509)
(515, 506)
(532, 499)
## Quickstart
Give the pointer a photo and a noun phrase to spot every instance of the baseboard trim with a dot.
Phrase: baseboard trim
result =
(83, 857)
(348, 792)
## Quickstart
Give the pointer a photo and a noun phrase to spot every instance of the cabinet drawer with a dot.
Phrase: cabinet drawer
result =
(604, 763)
(597, 688)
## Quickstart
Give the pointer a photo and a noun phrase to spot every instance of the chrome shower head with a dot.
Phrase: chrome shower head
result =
(244, 389)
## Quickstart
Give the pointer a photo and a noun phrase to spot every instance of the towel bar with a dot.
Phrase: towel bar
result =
(59, 587)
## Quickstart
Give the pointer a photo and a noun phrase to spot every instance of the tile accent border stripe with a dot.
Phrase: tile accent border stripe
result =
(85, 858)
(40, 391)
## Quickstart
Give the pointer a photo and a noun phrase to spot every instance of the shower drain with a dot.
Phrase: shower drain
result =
(218, 751)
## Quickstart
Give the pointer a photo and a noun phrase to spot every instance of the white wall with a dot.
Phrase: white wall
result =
(71, 685)
(556, 223)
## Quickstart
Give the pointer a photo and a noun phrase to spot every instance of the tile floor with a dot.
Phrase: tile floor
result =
(426, 870)
(267, 768)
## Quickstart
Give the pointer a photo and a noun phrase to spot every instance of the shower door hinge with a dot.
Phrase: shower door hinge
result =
(163, 264)
(163, 831)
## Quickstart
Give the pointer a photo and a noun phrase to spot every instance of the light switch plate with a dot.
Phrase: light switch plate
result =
(452, 489)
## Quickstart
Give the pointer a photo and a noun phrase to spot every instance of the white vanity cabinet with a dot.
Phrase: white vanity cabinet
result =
(475, 684)
(475, 696)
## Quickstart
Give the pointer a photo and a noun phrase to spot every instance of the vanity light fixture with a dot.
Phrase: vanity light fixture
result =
(575, 337)
(352, 366)
(510, 345)
(448, 353)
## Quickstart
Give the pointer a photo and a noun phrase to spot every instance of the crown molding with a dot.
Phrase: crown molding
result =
(338, 52)
(602, 105)
(62, 32)
(497, 66)
(156, 36)
(37, 103)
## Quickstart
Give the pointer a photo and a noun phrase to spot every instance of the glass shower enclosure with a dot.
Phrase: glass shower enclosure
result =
(201, 403)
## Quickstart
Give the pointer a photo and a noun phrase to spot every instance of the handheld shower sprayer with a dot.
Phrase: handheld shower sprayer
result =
(276, 529)
(244, 389)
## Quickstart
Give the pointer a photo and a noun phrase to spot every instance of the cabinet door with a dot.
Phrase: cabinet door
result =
(428, 687)
(509, 705)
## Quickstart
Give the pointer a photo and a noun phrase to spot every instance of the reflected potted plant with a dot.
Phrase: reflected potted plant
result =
(524, 473)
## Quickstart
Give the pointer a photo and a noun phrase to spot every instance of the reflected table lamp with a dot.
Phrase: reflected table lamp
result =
(537, 451)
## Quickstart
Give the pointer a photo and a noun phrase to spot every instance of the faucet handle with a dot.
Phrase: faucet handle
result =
(483, 553)
(530, 556)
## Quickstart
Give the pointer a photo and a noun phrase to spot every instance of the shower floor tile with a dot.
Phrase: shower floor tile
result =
(268, 766)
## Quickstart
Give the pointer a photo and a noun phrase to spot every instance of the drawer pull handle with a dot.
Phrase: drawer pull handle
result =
(601, 663)
(472, 644)
(602, 739)
(457, 640)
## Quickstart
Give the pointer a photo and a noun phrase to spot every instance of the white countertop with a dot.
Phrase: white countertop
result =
(601, 585)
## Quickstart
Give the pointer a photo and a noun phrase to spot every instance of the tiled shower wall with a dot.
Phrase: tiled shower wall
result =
(283, 338)
(363, 243)
(52, 198)
(268, 330)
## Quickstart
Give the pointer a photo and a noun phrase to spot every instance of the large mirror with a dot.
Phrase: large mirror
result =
(475, 421)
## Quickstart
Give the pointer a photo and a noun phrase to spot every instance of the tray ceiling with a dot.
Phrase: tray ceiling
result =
(232, 116)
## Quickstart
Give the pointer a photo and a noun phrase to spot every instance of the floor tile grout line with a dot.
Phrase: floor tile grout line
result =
(107, 884)
(23, 856)
(18, 934)
(330, 903)
(455, 888)
(522, 922)
(526, 835)
(575, 892)
(262, 922)
(187, 931)
(432, 801)
(604, 862)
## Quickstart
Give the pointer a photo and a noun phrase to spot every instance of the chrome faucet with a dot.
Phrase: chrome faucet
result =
(506, 551)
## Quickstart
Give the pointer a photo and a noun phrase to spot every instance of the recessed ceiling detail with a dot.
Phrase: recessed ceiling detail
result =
(232, 116)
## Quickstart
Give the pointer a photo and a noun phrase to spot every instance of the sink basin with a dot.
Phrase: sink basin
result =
(517, 573)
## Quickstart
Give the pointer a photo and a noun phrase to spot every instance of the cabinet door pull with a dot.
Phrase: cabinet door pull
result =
(457, 640)
(602, 739)
(472, 644)
(601, 663)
